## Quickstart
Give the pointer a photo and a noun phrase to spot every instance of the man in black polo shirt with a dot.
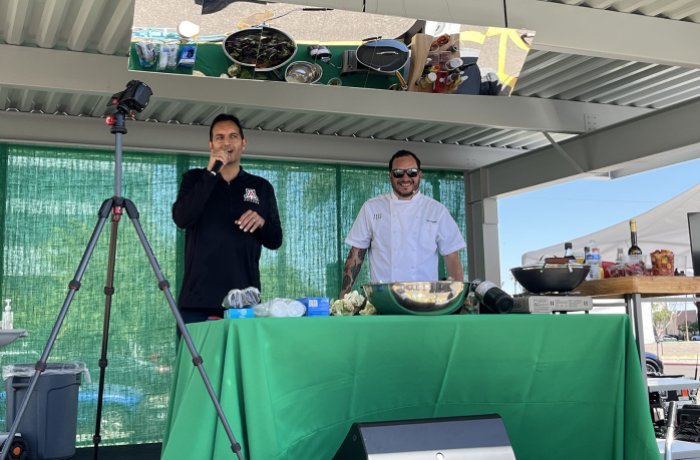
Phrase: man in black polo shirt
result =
(228, 216)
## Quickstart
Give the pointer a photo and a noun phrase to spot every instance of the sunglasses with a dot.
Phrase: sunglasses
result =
(398, 173)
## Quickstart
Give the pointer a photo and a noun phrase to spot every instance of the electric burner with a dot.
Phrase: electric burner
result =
(551, 302)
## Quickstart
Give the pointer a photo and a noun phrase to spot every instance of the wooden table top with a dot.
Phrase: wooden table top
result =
(647, 286)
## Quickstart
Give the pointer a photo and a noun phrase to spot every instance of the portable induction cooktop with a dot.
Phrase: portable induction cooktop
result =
(551, 302)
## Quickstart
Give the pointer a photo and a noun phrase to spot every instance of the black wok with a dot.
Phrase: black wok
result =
(383, 55)
(550, 277)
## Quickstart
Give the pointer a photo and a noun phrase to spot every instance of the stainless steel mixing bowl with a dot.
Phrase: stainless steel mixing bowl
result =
(416, 297)
(303, 72)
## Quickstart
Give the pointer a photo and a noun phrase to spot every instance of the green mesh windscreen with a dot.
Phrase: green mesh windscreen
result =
(52, 200)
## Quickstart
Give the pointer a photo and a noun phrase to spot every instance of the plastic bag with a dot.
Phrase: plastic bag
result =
(27, 370)
(280, 308)
(239, 298)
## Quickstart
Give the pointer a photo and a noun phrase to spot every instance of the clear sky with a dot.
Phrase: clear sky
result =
(558, 213)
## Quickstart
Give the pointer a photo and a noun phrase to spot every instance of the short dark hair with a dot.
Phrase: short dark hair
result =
(225, 117)
(403, 153)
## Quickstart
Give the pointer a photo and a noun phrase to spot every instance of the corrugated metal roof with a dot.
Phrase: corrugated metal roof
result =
(680, 10)
(606, 81)
(93, 26)
(97, 26)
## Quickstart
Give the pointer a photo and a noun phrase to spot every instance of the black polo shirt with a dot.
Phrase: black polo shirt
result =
(218, 255)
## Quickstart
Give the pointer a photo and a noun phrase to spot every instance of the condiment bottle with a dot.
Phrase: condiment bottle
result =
(7, 315)
(569, 251)
(427, 80)
(635, 252)
(441, 82)
(620, 259)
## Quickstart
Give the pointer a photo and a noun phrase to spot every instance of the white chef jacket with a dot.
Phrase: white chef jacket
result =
(404, 237)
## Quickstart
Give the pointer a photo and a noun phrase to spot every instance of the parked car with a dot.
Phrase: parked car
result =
(695, 338)
(654, 364)
(668, 338)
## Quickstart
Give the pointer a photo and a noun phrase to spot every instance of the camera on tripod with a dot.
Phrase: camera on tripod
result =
(134, 98)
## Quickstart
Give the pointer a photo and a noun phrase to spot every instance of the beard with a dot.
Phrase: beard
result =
(405, 192)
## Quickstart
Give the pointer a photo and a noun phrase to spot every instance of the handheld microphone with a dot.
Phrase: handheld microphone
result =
(218, 164)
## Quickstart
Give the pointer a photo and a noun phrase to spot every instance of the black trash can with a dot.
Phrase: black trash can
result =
(49, 423)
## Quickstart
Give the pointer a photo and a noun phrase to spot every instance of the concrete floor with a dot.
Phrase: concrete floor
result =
(335, 25)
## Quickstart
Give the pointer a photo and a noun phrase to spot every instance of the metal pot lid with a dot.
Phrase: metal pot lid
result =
(383, 55)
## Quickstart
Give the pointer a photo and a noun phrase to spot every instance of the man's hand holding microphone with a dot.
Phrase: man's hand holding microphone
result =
(216, 167)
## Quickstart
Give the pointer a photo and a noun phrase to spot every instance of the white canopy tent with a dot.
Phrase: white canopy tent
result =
(663, 227)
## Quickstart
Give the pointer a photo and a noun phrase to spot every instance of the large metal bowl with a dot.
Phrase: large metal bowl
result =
(550, 277)
(416, 297)
(264, 47)
(303, 72)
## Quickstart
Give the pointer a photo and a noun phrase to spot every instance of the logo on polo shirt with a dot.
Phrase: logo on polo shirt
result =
(251, 196)
(377, 216)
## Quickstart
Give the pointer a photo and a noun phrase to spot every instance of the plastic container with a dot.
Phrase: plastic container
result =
(235, 313)
(316, 306)
(49, 423)
(280, 308)
(593, 259)
(7, 316)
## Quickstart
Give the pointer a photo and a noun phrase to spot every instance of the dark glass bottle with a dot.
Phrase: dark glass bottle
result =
(492, 298)
(634, 251)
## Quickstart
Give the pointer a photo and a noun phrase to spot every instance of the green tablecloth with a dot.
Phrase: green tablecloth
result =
(212, 61)
(566, 386)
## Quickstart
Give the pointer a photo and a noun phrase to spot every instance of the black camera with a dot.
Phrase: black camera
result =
(134, 98)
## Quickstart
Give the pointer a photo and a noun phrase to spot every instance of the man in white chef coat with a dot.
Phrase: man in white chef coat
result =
(403, 231)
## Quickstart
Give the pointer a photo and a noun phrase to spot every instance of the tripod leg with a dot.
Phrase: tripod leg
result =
(196, 358)
(73, 287)
(109, 291)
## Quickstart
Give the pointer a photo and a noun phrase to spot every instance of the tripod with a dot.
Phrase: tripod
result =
(115, 206)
